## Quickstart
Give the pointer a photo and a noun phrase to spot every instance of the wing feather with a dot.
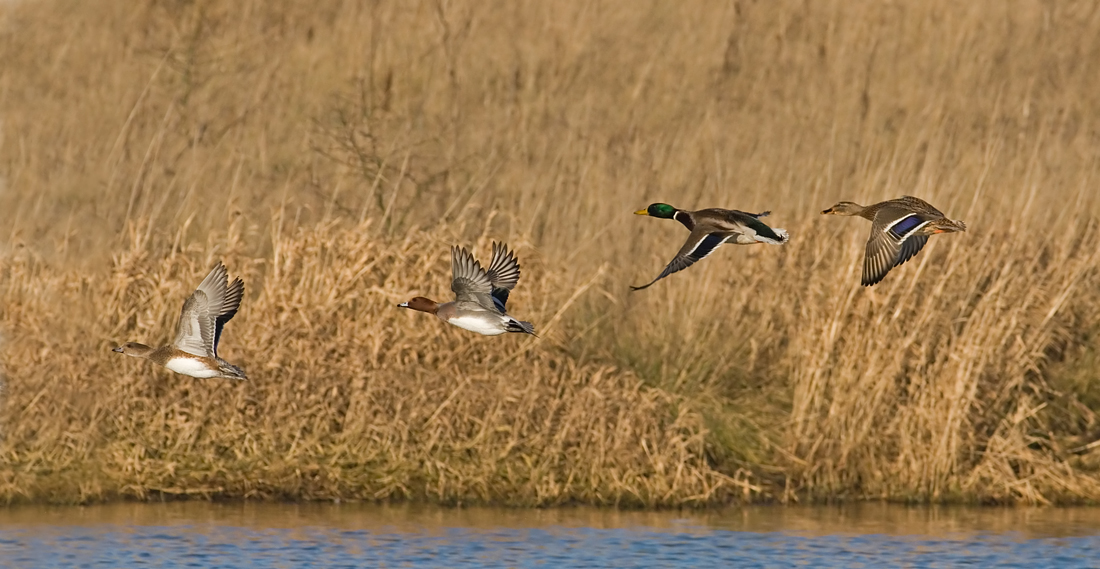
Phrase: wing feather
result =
(230, 305)
(196, 329)
(886, 248)
(504, 269)
(503, 273)
(910, 247)
(699, 245)
(879, 258)
(469, 281)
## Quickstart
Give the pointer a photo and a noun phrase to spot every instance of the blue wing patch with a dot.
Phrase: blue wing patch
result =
(707, 245)
(906, 225)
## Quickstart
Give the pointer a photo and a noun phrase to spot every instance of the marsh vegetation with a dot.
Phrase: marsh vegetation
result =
(332, 152)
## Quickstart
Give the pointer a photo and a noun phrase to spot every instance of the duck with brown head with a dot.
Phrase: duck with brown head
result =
(480, 294)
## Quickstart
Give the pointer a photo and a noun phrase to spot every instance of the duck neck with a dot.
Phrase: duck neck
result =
(684, 218)
(866, 212)
(160, 355)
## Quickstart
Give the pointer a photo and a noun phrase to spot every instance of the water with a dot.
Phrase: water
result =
(287, 535)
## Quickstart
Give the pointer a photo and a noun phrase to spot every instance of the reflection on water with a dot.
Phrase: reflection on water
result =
(284, 535)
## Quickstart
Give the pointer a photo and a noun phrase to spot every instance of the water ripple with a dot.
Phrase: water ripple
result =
(213, 545)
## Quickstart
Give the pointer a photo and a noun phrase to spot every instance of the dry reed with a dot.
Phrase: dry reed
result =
(332, 152)
(351, 397)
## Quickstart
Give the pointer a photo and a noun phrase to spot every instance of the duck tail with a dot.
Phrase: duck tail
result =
(513, 325)
(772, 236)
(766, 233)
(778, 236)
(231, 371)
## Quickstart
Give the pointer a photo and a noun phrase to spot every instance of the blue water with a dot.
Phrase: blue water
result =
(204, 535)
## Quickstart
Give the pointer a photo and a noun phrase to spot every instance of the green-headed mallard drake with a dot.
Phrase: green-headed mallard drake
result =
(195, 349)
(480, 295)
(899, 229)
(709, 229)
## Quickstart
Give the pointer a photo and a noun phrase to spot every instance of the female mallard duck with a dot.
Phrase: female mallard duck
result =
(899, 229)
(480, 294)
(709, 229)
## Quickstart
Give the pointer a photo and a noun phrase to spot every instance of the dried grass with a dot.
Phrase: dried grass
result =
(332, 152)
(352, 398)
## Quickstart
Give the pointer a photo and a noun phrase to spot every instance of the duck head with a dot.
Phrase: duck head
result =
(421, 304)
(133, 349)
(661, 210)
(844, 208)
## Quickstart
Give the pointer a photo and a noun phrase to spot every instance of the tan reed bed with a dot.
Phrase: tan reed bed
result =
(349, 397)
(332, 152)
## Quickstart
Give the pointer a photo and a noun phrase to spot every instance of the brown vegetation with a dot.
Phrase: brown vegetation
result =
(331, 152)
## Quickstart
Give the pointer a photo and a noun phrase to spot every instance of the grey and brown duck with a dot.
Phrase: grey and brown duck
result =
(710, 228)
(899, 230)
(194, 352)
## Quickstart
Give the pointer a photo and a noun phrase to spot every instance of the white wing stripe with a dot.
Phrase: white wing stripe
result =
(708, 243)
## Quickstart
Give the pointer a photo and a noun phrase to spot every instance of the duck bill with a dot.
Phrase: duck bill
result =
(642, 212)
(403, 305)
(118, 349)
(827, 212)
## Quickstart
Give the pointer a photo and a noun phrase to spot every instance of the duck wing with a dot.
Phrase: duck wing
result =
(700, 243)
(230, 305)
(469, 281)
(195, 330)
(910, 247)
(503, 274)
(893, 241)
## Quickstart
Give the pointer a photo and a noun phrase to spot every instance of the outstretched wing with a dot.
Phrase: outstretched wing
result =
(469, 281)
(195, 330)
(910, 247)
(230, 305)
(503, 274)
(893, 241)
(699, 244)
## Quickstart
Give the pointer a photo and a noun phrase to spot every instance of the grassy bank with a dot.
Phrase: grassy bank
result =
(332, 152)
